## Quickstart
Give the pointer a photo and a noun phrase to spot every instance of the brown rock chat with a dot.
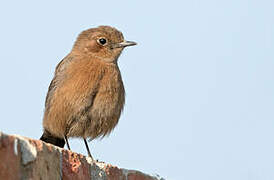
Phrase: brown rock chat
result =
(86, 96)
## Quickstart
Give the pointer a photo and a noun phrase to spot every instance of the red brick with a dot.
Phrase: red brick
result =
(74, 166)
(138, 176)
(10, 162)
(114, 173)
(48, 162)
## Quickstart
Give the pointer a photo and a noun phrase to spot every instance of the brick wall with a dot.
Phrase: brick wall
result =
(24, 158)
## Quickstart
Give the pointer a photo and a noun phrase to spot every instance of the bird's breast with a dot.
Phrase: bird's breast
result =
(108, 103)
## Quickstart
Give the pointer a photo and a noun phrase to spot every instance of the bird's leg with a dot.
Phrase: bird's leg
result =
(66, 139)
(87, 148)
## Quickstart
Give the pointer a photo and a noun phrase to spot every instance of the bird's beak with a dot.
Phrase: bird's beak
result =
(125, 44)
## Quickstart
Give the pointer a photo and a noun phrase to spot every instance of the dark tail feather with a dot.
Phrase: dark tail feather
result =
(49, 138)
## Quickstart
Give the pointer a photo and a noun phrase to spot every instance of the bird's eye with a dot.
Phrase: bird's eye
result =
(102, 41)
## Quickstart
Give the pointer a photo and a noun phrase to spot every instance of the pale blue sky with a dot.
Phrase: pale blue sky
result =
(200, 93)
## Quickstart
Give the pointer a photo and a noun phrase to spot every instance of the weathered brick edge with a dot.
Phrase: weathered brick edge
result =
(25, 158)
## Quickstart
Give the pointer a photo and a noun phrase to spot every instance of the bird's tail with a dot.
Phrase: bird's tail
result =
(49, 138)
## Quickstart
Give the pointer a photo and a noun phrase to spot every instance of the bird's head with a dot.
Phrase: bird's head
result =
(104, 42)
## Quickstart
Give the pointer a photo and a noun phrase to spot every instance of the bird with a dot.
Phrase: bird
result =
(86, 95)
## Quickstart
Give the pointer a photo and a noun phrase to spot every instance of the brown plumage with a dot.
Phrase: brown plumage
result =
(86, 96)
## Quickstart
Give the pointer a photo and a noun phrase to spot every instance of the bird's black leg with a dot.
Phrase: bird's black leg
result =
(66, 139)
(87, 148)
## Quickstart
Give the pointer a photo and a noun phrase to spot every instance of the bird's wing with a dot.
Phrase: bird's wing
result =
(57, 77)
